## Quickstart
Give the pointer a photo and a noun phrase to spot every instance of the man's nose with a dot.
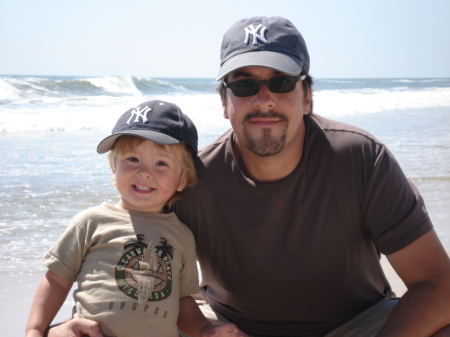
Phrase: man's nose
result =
(264, 99)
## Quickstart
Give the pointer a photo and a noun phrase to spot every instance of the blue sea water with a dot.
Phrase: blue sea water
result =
(50, 127)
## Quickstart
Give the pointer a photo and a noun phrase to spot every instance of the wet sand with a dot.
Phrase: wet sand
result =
(17, 292)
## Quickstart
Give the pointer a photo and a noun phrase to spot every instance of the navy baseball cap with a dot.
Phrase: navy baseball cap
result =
(158, 121)
(263, 42)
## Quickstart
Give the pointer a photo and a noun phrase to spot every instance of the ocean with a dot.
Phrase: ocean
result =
(49, 169)
(50, 127)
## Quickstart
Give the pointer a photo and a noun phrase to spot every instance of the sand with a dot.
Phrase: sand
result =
(17, 292)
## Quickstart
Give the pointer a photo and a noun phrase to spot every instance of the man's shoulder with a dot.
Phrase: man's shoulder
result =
(340, 132)
(214, 151)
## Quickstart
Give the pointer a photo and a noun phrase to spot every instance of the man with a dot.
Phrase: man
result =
(292, 210)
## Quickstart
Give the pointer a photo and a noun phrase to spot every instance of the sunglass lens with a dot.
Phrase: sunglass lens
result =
(282, 84)
(250, 87)
(245, 88)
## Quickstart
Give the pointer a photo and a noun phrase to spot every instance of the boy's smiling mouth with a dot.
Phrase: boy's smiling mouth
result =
(142, 188)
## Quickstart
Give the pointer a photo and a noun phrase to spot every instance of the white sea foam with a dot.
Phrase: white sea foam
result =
(102, 112)
(7, 91)
(348, 102)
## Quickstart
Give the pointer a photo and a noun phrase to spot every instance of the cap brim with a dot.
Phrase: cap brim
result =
(107, 144)
(269, 59)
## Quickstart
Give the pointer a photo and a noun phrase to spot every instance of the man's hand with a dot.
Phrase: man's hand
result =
(76, 327)
(226, 330)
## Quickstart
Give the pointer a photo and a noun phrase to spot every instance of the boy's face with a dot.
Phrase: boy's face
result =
(147, 177)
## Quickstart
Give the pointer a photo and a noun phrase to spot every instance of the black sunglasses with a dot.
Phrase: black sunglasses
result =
(277, 84)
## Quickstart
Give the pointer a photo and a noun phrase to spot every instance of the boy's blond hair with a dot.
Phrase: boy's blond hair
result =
(188, 176)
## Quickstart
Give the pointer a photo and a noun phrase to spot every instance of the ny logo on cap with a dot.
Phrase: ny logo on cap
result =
(250, 30)
(139, 113)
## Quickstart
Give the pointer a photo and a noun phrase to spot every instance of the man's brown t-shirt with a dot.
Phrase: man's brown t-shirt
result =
(300, 256)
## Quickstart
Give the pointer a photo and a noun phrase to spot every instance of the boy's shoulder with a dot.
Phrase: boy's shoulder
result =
(102, 211)
(90, 210)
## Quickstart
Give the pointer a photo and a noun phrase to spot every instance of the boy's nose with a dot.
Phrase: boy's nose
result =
(145, 173)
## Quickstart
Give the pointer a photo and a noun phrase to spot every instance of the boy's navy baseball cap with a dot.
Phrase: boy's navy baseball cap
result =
(263, 42)
(157, 121)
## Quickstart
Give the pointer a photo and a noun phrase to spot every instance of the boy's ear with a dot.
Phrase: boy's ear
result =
(181, 185)
(111, 165)
(114, 179)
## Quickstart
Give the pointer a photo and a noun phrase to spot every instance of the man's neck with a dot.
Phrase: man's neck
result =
(270, 168)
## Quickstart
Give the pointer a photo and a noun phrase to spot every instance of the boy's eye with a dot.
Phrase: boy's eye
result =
(161, 163)
(133, 159)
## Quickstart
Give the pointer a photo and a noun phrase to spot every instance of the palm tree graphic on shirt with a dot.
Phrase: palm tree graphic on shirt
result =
(144, 271)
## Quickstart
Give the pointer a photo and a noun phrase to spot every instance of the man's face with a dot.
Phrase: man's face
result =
(266, 122)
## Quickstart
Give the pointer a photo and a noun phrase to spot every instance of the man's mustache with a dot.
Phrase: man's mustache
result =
(269, 114)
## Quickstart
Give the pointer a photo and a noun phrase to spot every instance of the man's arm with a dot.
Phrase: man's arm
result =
(77, 327)
(424, 267)
(192, 321)
(50, 295)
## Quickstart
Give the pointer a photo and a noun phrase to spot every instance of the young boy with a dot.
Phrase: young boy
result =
(135, 263)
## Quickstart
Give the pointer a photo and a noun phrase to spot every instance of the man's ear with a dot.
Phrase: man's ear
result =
(307, 101)
(224, 108)
(225, 113)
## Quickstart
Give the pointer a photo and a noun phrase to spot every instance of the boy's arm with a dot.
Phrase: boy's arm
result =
(192, 321)
(50, 295)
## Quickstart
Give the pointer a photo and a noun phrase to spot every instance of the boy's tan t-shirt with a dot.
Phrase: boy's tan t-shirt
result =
(104, 251)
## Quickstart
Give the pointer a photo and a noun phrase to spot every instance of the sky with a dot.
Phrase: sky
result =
(181, 38)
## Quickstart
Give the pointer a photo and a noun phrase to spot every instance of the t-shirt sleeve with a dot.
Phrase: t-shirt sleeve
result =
(67, 254)
(395, 211)
(189, 283)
